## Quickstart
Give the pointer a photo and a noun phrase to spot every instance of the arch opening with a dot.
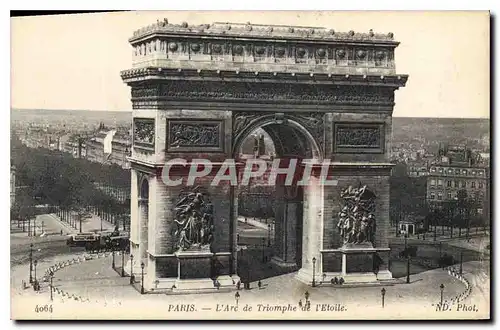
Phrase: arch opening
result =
(269, 218)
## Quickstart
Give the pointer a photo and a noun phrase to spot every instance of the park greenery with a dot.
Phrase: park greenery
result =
(408, 201)
(65, 184)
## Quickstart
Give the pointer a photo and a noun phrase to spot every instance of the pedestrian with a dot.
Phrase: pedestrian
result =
(335, 281)
(238, 285)
(259, 284)
(341, 281)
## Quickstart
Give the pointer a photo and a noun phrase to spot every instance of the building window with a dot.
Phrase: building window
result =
(473, 172)
(450, 171)
(464, 172)
(449, 195)
(440, 170)
(480, 185)
(433, 182)
(480, 173)
(457, 172)
(473, 184)
(455, 184)
(463, 184)
(440, 196)
(433, 169)
(440, 182)
(433, 195)
(448, 183)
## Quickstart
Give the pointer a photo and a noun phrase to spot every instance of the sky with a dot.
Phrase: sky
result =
(74, 61)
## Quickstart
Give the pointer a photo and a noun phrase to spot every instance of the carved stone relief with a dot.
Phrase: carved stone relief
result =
(356, 220)
(354, 138)
(183, 135)
(358, 137)
(144, 132)
(315, 123)
(194, 220)
(316, 94)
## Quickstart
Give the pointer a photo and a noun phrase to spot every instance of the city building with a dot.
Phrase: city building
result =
(417, 169)
(98, 147)
(456, 169)
(121, 149)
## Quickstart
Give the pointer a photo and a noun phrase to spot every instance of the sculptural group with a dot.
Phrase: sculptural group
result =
(194, 219)
(356, 223)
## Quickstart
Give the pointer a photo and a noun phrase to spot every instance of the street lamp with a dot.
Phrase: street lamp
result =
(34, 264)
(269, 234)
(142, 277)
(407, 260)
(383, 296)
(51, 274)
(123, 261)
(263, 250)
(237, 297)
(131, 269)
(442, 289)
(31, 263)
(461, 260)
(314, 272)
(113, 259)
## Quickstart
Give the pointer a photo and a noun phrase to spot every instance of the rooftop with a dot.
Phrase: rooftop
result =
(258, 31)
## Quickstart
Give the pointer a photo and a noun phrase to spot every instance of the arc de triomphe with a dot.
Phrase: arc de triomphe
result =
(198, 91)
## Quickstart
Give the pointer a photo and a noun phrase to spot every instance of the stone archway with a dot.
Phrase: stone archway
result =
(321, 95)
(292, 142)
(142, 257)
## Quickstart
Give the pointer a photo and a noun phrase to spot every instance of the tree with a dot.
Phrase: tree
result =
(407, 195)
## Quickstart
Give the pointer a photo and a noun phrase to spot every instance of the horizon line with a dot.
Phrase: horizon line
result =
(114, 110)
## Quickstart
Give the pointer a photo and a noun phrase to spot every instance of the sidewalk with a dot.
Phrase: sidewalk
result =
(97, 282)
(95, 223)
(253, 222)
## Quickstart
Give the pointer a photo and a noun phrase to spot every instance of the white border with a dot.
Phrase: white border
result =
(203, 5)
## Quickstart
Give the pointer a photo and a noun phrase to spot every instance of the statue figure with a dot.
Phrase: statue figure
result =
(356, 222)
(194, 219)
(262, 146)
(256, 147)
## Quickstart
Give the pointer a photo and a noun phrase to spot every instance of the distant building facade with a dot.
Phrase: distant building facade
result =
(121, 150)
(417, 169)
(456, 169)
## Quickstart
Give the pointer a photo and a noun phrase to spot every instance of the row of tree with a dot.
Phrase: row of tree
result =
(408, 200)
(64, 183)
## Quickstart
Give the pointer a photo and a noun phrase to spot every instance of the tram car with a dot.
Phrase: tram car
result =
(83, 239)
(100, 241)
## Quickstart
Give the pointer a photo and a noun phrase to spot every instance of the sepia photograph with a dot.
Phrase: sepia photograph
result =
(250, 165)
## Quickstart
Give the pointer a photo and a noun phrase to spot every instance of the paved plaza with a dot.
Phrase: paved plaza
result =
(102, 292)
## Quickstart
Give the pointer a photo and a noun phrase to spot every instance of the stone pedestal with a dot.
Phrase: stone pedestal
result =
(357, 262)
(194, 270)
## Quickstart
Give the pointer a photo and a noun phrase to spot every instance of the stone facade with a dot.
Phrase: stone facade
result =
(198, 92)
